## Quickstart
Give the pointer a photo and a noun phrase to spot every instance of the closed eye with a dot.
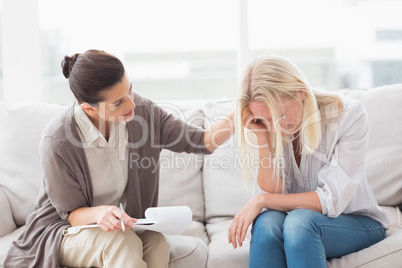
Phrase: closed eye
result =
(130, 92)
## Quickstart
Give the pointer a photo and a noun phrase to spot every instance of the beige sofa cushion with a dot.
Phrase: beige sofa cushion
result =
(20, 170)
(186, 251)
(180, 173)
(224, 189)
(181, 184)
(220, 252)
(5, 243)
(7, 224)
(384, 158)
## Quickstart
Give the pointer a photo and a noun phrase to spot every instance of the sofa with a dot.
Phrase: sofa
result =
(212, 185)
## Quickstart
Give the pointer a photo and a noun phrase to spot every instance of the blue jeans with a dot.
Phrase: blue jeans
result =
(305, 238)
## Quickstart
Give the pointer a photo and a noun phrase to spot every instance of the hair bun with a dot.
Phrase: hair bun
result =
(68, 63)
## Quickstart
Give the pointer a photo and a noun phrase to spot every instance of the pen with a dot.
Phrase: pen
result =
(123, 226)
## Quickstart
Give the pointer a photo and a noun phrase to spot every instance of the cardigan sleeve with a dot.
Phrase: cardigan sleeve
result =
(339, 179)
(164, 130)
(64, 187)
(179, 136)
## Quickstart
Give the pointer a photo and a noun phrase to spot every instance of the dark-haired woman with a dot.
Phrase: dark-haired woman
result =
(89, 157)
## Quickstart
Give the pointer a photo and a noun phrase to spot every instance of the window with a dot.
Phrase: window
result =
(179, 49)
(389, 35)
(333, 42)
(387, 72)
(294, 30)
(174, 49)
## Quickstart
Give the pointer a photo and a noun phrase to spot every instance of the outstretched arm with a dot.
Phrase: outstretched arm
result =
(219, 132)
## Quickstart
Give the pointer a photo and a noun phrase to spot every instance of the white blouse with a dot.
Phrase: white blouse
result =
(336, 170)
(107, 160)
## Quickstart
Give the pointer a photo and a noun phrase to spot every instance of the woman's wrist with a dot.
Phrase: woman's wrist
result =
(260, 201)
(86, 215)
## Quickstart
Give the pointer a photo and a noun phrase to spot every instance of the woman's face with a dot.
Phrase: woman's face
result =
(290, 114)
(119, 102)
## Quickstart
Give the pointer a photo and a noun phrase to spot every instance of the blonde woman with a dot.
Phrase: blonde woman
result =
(311, 199)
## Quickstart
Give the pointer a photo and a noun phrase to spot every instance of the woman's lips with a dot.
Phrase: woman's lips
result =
(129, 113)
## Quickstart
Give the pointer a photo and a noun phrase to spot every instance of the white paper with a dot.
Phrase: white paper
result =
(168, 220)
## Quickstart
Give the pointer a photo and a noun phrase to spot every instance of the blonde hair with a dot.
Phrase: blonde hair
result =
(271, 79)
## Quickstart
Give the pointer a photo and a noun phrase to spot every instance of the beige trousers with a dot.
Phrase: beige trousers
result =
(95, 248)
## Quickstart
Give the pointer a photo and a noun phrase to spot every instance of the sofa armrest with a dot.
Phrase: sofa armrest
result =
(7, 224)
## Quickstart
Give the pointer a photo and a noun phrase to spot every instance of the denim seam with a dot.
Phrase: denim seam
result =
(371, 230)
(350, 228)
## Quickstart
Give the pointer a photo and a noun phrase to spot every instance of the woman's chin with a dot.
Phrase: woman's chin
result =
(128, 118)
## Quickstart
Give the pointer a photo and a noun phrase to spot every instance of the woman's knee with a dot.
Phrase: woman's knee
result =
(156, 249)
(154, 240)
(127, 239)
(267, 227)
(299, 225)
(122, 247)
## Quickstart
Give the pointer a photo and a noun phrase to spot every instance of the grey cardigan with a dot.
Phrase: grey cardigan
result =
(67, 183)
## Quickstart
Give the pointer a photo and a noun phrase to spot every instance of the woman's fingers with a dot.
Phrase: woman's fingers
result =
(238, 228)
(237, 233)
(106, 225)
(128, 220)
(244, 232)
(232, 234)
(111, 220)
(123, 216)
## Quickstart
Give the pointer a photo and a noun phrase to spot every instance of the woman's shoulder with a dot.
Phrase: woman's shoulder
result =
(58, 122)
(145, 107)
(353, 118)
(61, 130)
(352, 108)
(141, 101)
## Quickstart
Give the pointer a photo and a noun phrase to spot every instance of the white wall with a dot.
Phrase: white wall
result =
(21, 59)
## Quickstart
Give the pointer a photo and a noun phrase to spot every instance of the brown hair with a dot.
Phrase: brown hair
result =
(91, 73)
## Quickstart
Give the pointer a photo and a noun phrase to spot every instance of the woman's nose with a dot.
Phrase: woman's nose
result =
(133, 103)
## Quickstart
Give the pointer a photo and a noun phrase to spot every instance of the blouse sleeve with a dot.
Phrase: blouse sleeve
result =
(338, 180)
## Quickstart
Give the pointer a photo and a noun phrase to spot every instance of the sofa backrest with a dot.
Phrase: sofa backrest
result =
(20, 170)
(7, 224)
(384, 157)
(180, 173)
(225, 191)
